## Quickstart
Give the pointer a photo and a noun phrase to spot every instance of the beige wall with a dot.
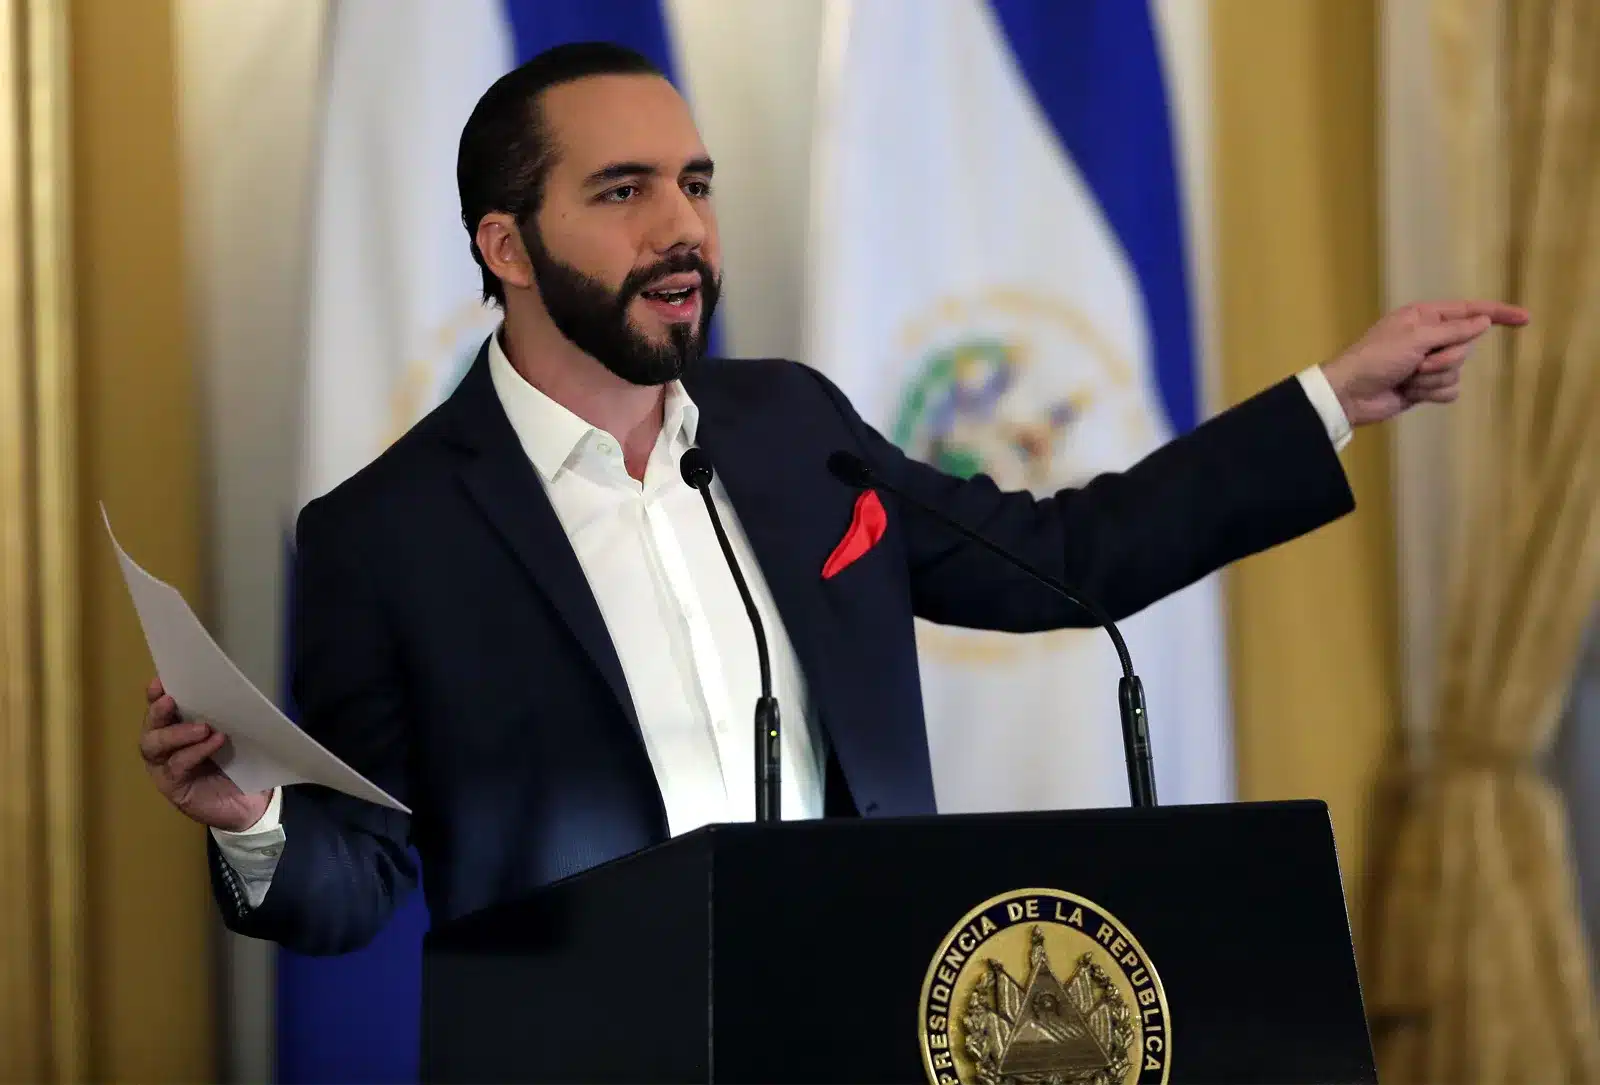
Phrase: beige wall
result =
(1417, 264)
(151, 1005)
(1313, 624)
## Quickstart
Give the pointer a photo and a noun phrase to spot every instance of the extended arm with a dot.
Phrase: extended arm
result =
(1257, 475)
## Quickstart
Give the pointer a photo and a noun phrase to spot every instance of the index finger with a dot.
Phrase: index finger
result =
(153, 692)
(1498, 312)
(163, 712)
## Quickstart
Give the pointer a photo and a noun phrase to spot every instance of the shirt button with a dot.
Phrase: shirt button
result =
(722, 727)
(271, 852)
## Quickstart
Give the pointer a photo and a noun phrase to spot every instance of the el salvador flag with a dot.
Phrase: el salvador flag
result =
(395, 317)
(999, 282)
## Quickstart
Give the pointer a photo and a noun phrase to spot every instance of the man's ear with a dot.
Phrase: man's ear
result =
(500, 245)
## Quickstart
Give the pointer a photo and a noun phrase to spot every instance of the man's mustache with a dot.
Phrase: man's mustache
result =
(640, 278)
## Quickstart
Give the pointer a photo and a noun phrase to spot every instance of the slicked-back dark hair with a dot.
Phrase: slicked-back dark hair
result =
(506, 152)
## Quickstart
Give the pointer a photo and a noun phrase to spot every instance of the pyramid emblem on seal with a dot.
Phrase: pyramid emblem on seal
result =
(1050, 1033)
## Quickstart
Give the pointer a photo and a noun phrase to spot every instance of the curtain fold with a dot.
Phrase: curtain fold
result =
(43, 992)
(1482, 972)
(151, 924)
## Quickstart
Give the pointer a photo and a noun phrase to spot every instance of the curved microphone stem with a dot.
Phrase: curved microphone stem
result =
(768, 763)
(854, 471)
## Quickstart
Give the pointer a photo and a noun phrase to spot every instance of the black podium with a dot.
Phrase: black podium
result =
(1182, 944)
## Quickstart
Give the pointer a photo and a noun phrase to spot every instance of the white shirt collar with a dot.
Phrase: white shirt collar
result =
(550, 433)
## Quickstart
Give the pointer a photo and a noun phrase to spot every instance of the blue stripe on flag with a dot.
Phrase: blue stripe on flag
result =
(638, 24)
(355, 1018)
(1095, 70)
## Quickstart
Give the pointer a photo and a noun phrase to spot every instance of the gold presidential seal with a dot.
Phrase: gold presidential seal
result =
(1043, 987)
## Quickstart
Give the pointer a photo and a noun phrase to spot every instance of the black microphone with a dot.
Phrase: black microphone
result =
(695, 466)
(853, 471)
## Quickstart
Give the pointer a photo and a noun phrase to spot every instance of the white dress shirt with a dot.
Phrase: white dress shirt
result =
(675, 617)
(679, 627)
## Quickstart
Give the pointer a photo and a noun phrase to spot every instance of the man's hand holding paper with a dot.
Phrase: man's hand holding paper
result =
(215, 745)
(178, 754)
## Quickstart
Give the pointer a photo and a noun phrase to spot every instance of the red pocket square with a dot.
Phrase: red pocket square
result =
(866, 528)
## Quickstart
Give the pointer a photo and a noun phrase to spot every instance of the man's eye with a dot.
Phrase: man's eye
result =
(697, 190)
(621, 194)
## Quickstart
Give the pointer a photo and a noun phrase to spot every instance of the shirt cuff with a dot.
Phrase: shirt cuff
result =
(254, 852)
(1326, 403)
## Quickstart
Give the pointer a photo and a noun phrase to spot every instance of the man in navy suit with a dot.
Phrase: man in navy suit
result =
(517, 620)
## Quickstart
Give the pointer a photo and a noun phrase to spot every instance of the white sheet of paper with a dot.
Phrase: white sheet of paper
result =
(265, 748)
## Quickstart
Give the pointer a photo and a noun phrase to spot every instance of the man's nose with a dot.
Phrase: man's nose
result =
(679, 225)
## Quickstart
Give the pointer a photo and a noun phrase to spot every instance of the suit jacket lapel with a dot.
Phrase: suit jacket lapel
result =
(506, 488)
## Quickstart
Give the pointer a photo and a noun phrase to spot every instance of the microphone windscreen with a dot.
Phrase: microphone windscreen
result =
(695, 467)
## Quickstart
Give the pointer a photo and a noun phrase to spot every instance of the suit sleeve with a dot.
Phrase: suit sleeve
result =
(1259, 474)
(346, 863)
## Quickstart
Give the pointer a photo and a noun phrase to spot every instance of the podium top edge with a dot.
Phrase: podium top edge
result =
(1099, 813)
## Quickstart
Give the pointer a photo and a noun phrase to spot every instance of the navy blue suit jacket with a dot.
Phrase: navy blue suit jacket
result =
(448, 647)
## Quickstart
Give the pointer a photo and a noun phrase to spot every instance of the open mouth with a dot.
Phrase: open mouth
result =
(674, 303)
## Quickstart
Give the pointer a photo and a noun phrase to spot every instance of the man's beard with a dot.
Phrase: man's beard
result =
(595, 318)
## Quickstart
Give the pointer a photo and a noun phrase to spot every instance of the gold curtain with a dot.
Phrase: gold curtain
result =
(152, 925)
(42, 928)
(1312, 638)
(1482, 971)
(106, 925)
